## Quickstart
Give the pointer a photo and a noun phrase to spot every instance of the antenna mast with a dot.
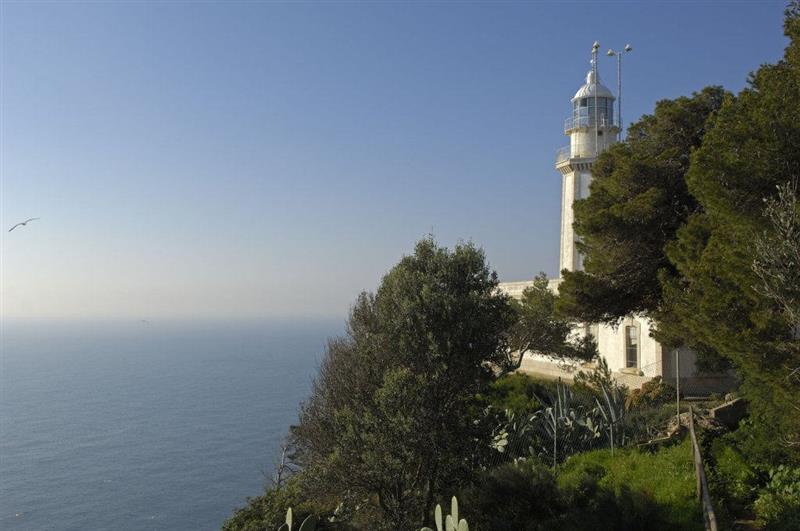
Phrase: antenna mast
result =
(595, 47)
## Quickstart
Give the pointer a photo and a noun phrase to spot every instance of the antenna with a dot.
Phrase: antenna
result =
(595, 47)
(611, 53)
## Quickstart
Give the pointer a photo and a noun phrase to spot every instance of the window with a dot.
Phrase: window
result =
(631, 347)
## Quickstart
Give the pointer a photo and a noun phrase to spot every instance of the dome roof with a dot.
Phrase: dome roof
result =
(587, 90)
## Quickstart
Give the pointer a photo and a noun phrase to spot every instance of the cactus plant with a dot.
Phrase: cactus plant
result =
(309, 524)
(451, 523)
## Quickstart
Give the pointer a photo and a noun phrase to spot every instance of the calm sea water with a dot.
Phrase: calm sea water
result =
(134, 426)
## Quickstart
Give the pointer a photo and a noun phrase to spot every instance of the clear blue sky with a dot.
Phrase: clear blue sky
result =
(272, 160)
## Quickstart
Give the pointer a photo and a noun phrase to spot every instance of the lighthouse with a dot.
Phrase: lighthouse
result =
(627, 346)
(591, 128)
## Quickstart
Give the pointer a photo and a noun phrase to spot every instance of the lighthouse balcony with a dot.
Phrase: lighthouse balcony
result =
(588, 122)
(563, 154)
(576, 150)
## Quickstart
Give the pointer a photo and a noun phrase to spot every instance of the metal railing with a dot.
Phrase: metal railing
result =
(575, 150)
(578, 122)
(563, 153)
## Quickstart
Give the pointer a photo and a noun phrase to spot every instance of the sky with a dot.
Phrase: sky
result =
(271, 160)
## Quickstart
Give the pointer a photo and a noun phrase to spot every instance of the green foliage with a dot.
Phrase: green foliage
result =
(778, 505)
(451, 523)
(541, 329)
(268, 510)
(514, 436)
(732, 480)
(590, 414)
(609, 398)
(391, 418)
(645, 424)
(751, 149)
(564, 426)
(591, 382)
(652, 490)
(592, 490)
(520, 496)
(516, 392)
(652, 393)
(777, 252)
(309, 523)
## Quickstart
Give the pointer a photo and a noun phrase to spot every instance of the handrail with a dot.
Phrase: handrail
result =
(563, 153)
(702, 483)
(578, 150)
(575, 122)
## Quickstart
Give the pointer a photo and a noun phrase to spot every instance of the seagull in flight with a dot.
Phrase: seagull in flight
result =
(22, 224)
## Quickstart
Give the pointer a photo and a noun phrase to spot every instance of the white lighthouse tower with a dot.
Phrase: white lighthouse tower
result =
(591, 129)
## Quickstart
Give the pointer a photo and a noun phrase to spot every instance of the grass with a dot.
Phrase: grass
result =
(661, 484)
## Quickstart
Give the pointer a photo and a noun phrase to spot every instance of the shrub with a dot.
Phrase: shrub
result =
(591, 382)
(733, 480)
(648, 423)
(520, 496)
(652, 394)
(649, 490)
(516, 392)
(778, 505)
(632, 490)
(268, 511)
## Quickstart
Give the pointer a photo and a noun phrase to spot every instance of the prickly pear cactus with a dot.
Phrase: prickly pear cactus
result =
(451, 523)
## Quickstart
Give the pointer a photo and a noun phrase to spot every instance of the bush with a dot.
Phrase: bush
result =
(268, 511)
(648, 423)
(649, 490)
(778, 505)
(732, 479)
(592, 490)
(653, 393)
(520, 496)
(517, 392)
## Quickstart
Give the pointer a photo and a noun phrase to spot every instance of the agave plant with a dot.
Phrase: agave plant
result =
(611, 409)
(451, 523)
(567, 426)
(309, 524)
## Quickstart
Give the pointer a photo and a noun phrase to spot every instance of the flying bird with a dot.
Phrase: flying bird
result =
(22, 224)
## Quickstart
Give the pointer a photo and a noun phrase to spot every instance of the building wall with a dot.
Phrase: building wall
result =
(611, 343)
(567, 259)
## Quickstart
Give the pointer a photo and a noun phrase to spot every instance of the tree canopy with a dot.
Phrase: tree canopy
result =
(390, 423)
(752, 150)
(540, 328)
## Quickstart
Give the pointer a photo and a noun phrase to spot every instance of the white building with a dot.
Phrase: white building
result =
(632, 354)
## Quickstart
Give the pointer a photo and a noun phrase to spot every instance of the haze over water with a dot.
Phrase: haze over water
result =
(132, 426)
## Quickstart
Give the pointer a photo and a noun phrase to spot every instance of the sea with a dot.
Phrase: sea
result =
(146, 425)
